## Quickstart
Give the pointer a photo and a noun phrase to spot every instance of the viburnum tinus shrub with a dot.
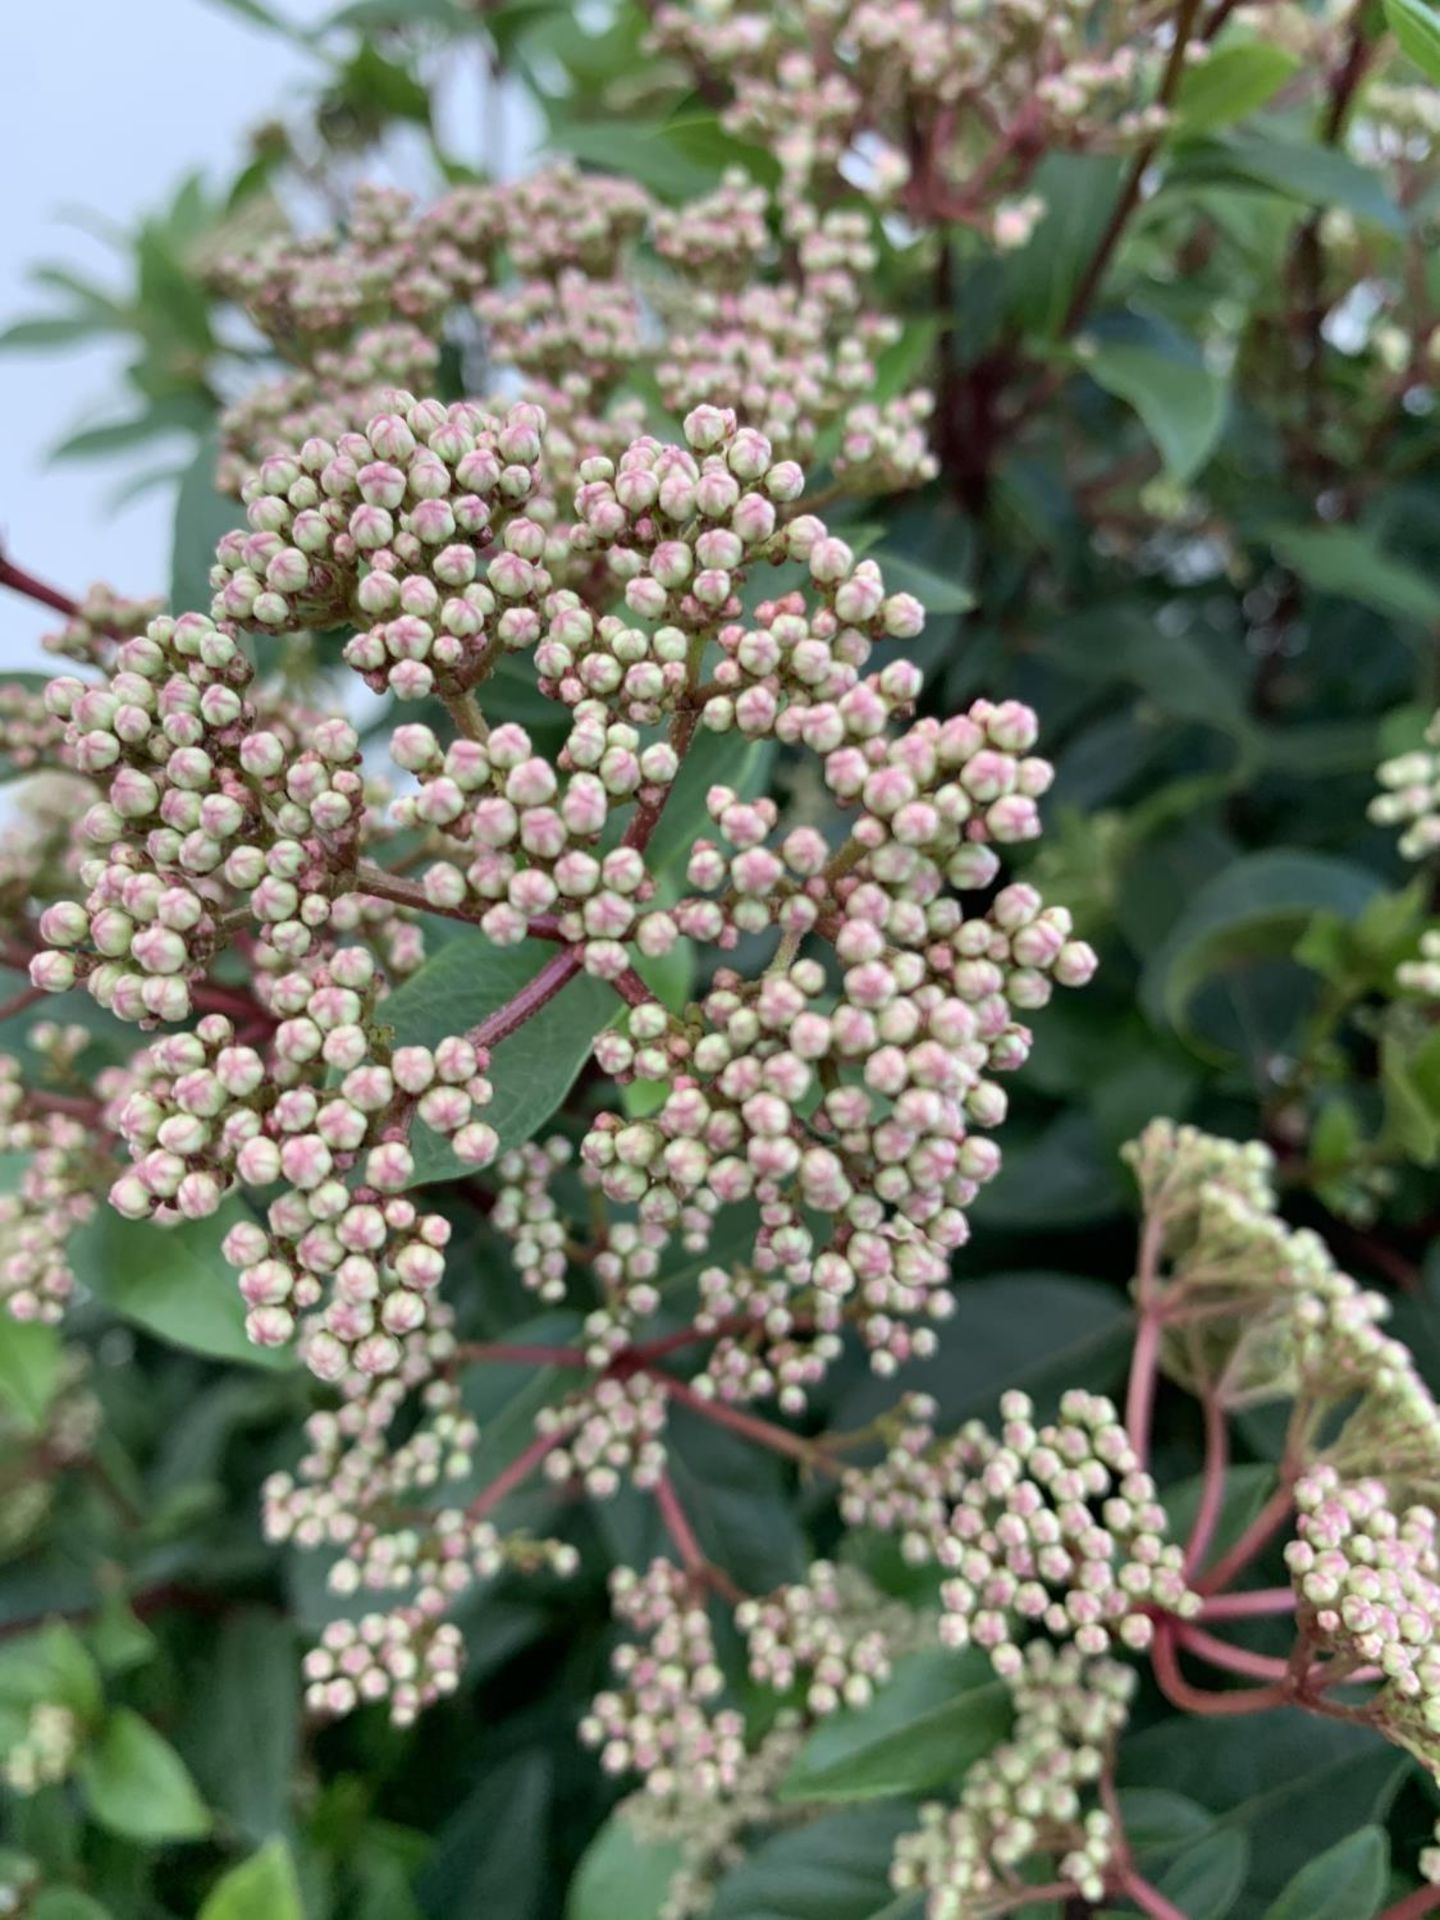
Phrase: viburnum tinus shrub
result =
(528, 957)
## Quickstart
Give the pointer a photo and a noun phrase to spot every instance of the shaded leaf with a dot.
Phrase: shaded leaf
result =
(264, 1887)
(1180, 400)
(837, 1869)
(1347, 1882)
(1229, 84)
(936, 1715)
(1347, 562)
(619, 1873)
(1205, 1880)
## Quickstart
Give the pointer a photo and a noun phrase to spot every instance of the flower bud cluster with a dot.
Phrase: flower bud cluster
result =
(1367, 1590)
(1422, 976)
(1410, 796)
(882, 94)
(361, 311)
(661, 1719)
(393, 1511)
(1025, 1804)
(30, 735)
(614, 1435)
(814, 1636)
(1057, 1527)
(46, 1751)
(403, 1657)
(1281, 1319)
(65, 1165)
(101, 620)
(711, 1832)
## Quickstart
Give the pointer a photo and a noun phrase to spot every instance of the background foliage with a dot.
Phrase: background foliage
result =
(1189, 512)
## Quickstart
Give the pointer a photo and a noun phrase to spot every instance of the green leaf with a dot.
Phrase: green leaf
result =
(259, 16)
(30, 1368)
(1040, 1332)
(489, 1858)
(185, 413)
(1231, 83)
(1156, 1819)
(1205, 1881)
(1040, 280)
(1410, 1083)
(1180, 400)
(174, 1282)
(1302, 170)
(376, 85)
(619, 1874)
(1253, 910)
(52, 1664)
(936, 592)
(66, 1903)
(1247, 1488)
(836, 1869)
(138, 1786)
(244, 1733)
(264, 1887)
(49, 330)
(201, 516)
(369, 16)
(1065, 1176)
(467, 979)
(936, 1715)
(1417, 28)
(1347, 562)
(1345, 1883)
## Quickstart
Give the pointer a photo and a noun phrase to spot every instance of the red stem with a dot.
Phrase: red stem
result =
(556, 974)
(763, 1432)
(21, 582)
(20, 1001)
(516, 1474)
(503, 1353)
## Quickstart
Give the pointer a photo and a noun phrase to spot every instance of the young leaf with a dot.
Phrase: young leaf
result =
(138, 1786)
(936, 1715)
(1345, 1883)
(264, 1887)
(1229, 84)
(1417, 27)
(1347, 562)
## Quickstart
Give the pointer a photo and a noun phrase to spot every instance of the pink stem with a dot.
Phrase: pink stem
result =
(1212, 1491)
(632, 989)
(1240, 1606)
(516, 1474)
(1149, 1899)
(1266, 1524)
(1178, 1691)
(1140, 1399)
(1220, 1653)
(1412, 1905)
(678, 1527)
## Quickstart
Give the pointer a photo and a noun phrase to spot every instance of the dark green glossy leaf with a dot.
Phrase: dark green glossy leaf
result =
(1205, 1881)
(1346, 1882)
(1180, 400)
(1347, 562)
(243, 1735)
(174, 1282)
(937, 1715)
(837, 1869)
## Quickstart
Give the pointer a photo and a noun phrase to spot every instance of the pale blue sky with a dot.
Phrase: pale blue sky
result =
(107, 106)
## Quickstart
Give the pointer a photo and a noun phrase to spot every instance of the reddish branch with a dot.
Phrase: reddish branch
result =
(21, 582)
(1120, 215)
